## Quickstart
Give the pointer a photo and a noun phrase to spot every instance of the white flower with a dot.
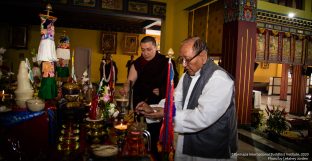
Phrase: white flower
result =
(115, 114)
(111, 111)
(2, 50)
(112, 105)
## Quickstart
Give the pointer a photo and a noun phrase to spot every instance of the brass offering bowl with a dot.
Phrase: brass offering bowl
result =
(66, 146)
(70, 131)
(65, 138)
(70, 89)
(72, 98)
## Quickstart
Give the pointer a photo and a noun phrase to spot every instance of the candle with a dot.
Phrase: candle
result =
(3, 94)
(121, 127)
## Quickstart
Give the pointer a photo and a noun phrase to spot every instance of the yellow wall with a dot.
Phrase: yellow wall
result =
(174, 30)
(78, 38)
(175, 27)
(263, 75)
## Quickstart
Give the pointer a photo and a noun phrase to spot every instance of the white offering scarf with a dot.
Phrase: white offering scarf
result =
(63, 53)
(46, 51)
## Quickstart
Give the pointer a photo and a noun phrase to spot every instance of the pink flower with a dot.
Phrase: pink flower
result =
(106, 98)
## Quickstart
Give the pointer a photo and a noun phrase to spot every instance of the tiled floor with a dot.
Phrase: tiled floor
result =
(275, 100)
(253, 147)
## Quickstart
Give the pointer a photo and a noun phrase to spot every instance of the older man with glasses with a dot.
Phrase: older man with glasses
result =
(205, 109)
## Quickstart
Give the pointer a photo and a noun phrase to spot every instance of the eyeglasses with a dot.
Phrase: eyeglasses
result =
(183, 61)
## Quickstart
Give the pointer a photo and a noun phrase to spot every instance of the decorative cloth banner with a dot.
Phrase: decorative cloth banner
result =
(308, 58)
(273, 55)
(286, 43)
(261, 44)
(166, 132)
(299, 49)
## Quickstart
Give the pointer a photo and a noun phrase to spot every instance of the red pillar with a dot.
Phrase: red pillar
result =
(299, 82)
(284, 82)
(239, 50)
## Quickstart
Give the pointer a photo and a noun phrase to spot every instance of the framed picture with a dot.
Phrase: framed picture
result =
(265, 65)
(112, 5)
(19, 36)
(138, 7)
(109, 42)
(57, 1)
(159, 10)
(130, 45)
(85, 3)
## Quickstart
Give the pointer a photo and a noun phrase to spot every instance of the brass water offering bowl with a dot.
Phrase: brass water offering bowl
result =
(35, 104)
(70, 89)
(96, 133)
(68, 138)
(72, 98)
(94, 126)
(65, 146)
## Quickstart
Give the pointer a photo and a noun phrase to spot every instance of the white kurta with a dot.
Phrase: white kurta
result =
(212, 104)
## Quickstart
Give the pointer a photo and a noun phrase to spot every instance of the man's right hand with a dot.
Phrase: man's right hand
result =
(143, 108)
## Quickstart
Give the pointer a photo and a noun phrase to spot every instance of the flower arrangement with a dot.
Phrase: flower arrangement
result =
(276, 122)
(107, 107)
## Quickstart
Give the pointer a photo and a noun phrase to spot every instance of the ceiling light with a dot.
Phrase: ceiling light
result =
(291, 15)
(152, 32)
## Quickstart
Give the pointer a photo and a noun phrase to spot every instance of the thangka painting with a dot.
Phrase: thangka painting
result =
(109, 42)
(261, 44)
(286, 48)
(308, 59)
(299, 48)
(273, 46)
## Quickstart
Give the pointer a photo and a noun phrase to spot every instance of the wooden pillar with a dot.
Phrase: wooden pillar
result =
(284, 82)
(239, 49)
(299, 82)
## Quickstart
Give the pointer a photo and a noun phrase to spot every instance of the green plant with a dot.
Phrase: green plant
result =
(276, 122)
(257, 118)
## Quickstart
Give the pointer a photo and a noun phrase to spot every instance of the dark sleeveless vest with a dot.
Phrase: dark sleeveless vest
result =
(218, 140)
